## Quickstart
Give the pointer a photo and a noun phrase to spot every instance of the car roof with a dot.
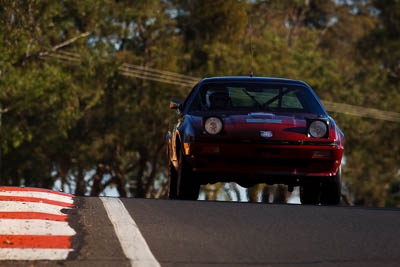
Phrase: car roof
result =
(250, 79)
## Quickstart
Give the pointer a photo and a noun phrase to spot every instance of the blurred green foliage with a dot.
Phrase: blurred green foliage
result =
(87, 127)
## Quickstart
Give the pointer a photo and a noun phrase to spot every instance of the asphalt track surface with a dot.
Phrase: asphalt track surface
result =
(201, 233)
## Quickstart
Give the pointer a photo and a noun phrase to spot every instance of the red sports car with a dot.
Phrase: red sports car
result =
(252, 130)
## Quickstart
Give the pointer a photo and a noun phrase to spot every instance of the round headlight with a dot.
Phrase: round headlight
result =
(318, 129)
(213, 125)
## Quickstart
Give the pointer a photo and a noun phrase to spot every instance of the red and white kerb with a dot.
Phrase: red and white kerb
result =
(32, 226)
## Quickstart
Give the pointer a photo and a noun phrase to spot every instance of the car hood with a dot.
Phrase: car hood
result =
(251, 125)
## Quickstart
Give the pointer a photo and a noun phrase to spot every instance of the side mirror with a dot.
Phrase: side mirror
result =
(175, 104)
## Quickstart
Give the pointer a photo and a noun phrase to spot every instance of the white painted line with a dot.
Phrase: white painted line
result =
(18, 206)
(34, 227)
(49, 196)
(34, 254)
(132, 241)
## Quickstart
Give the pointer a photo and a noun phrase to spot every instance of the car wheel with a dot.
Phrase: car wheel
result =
(172, 180)
(309, 194)
(331, 189)
(188, 186)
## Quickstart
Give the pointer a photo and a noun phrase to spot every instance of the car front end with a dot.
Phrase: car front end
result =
(263, 148)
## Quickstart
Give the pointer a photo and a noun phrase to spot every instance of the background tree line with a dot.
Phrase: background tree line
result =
(83, 126)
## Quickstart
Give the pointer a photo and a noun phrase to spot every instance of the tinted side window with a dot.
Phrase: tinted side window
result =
(189, 96)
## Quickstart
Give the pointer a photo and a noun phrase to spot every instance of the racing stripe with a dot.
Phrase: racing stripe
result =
(12, 206)
(33, 241)
(35, 199)
(32, 216)
(30, 254)
(31, 189)
(33, 225)
(49, 196)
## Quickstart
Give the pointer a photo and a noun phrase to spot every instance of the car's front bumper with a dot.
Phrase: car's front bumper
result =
(258, 160)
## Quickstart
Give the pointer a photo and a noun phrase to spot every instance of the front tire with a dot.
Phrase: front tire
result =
(172, 181)
(331, 189)
(310, 193)
(187, 186)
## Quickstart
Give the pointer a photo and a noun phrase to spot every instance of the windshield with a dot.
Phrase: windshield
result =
(256, 97)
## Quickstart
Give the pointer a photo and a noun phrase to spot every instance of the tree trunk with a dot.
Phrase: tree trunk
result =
(80, 183)
(97, 186)
(281, 194)
(138, 190)
(266, 193)
(154, 168)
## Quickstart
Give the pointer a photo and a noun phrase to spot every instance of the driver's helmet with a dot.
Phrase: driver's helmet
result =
(217, 98)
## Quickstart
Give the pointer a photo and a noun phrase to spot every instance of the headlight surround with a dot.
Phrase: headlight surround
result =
(318, 129)
(213, 125)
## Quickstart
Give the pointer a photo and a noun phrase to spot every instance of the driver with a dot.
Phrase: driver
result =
(217, 99)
